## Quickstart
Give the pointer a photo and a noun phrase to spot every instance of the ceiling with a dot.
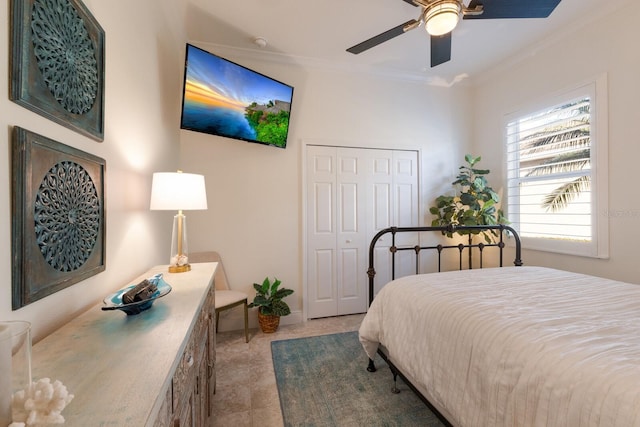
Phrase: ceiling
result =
(320, 31)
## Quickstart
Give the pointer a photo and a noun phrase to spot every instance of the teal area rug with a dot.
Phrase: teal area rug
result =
(323, 382)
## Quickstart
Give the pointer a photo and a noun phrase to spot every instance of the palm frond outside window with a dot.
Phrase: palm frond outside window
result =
(550, 169)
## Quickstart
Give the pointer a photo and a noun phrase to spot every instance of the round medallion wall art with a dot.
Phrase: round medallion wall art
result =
(57, 63)
(65, 54)
(67, 216)
(58, 216)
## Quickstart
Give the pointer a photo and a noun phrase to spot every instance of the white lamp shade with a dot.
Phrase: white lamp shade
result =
(178, 191)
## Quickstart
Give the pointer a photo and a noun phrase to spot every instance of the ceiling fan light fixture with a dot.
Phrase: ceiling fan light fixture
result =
(442, 17)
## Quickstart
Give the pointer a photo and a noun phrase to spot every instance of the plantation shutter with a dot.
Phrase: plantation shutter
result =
(549, 172)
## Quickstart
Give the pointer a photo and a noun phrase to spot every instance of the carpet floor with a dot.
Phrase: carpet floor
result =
(323, 382)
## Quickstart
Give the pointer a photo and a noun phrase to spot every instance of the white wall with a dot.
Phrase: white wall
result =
(606, 45)
(144, 44)
(255, 216)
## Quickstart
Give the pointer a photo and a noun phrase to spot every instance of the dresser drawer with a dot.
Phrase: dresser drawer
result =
(185, 374)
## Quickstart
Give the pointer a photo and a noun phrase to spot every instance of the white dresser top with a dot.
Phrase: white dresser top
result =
(119, 367)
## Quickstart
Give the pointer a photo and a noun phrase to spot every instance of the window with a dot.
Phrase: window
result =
(557, 173)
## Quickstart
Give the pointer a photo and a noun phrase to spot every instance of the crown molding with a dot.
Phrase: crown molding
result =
(387, 73)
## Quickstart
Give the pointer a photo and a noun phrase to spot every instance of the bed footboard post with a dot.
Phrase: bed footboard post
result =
(371, 272)
(372, 366)
(395, 389)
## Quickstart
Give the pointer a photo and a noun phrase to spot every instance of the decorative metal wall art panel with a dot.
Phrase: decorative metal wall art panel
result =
(58, 216)
(57, 63)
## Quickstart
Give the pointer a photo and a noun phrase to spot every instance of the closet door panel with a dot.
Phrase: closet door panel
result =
(352, 232)
(405, 207)
(321, 231)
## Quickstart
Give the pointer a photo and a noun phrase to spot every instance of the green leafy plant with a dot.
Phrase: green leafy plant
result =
(270, 126)
(269, 298)
(475, 204)
(273, 128)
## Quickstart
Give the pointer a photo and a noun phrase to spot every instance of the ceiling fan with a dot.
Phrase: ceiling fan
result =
(440, 17)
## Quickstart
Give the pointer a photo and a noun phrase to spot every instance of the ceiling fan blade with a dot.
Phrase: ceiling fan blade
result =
(501, 9)
(440, 49)
(411, 2)
(381, 38)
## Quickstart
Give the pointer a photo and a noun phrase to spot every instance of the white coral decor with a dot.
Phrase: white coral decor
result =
(41, 404)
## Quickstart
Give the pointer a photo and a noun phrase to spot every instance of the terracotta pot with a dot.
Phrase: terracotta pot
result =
(268, 323)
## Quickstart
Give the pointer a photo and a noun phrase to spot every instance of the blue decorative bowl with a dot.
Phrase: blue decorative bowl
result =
(114, 301)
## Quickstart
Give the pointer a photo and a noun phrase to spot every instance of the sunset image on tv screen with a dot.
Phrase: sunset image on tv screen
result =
(226, 99)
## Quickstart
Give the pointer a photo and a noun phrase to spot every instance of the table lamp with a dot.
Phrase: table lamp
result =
(178, 191)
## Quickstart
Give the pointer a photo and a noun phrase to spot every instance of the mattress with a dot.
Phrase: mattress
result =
(514, 346)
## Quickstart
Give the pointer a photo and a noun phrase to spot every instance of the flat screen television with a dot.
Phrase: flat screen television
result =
(223, 98)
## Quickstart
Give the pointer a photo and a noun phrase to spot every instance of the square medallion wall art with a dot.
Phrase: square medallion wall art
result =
(57, 63)
(58, 216)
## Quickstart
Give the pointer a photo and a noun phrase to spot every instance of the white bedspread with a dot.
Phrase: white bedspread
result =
(515, 346)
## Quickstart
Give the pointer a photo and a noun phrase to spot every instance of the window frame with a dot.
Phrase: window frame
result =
(596, 90)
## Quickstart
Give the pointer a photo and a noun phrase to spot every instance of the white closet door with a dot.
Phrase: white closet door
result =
(321, 231)
(381, 205)
(352, 194)
(351, 236)
(394, 201)
(406, 208)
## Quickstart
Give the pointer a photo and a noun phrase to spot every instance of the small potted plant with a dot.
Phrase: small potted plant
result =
(269, 300)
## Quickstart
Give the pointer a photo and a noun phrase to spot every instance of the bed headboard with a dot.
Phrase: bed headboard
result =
(499, 243)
